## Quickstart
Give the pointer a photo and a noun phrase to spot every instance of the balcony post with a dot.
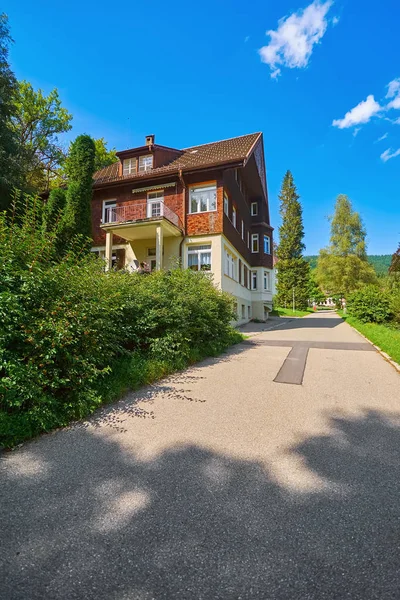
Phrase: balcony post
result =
(109, 244)
(159, 247)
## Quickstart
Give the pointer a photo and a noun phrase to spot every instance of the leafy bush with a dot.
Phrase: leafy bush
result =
(370, 304)
(64, 327)
(395, 297)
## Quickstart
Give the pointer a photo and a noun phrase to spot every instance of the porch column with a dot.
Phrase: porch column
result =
(109, 244)
(159, 247)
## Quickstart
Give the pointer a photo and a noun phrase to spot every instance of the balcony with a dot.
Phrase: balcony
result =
(135, 213)
(141, 220)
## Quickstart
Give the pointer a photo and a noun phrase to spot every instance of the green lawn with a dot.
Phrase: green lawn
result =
(387, 338)
(288, 312)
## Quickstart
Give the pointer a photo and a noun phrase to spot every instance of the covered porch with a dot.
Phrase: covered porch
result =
(152, 225)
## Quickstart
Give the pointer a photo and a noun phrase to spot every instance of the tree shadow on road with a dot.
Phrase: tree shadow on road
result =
(82, 517)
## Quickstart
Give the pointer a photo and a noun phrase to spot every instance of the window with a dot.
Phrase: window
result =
(145, 163)
(254, 280)
(129, 166)
(230, 265)
(254, 242)
(234, 216)
(199, 258)
(226, 204)
(155, 204)
(266, 280)
(248, 239)
(242, 229)
(240, 271)
(249, 312)
(254, 209)
(267, 244)
(243, 311)
(203, 199)
(109, 211)
(151, 251)
(245, 270)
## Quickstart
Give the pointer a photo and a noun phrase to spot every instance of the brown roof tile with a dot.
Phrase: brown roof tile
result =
(196, 157)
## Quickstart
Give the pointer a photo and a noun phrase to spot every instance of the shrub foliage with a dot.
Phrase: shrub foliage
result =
(370, 304)
(66, 326)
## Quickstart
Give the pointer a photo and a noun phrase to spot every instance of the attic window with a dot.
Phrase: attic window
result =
(193, 151)
(145, 163)
(129, 166)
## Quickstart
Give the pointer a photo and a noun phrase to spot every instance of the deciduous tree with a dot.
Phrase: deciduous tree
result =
(9, 166)
(104, 157)
(343, 267)
(37, 122)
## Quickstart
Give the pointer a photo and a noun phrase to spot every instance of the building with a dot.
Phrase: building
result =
(204, 207)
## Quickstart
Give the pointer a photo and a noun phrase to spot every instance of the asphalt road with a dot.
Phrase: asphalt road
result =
(219, 483)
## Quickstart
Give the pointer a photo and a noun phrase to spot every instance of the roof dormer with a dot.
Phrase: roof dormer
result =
(140, 160)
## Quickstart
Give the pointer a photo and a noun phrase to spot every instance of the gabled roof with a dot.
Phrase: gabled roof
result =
(196, 157)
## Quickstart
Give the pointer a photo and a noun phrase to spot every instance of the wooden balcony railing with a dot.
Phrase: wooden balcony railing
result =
(141, 212)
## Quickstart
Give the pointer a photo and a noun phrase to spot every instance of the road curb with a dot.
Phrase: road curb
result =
(384, 355)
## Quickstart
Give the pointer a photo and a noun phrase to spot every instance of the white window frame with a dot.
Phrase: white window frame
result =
(254, 280)
(267, 281)
(198, 250)
(249, 312)
(255, 238)
(153, 199)
(230, 265)
(143, 160)
(226, 204)
(267, 237)
(112, 203)
(202, 188)
(248, 239)
(129, 166)
(234, 217)
(242, 229)
(254, 209)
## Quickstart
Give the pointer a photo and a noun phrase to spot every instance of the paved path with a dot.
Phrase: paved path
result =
(219, 483)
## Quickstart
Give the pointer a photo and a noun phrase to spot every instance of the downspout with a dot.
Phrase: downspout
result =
(183, 213)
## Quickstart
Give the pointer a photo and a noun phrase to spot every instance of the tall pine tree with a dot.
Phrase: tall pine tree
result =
(293, 270)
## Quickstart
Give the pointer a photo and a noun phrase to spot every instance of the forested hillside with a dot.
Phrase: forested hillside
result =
(380, 262)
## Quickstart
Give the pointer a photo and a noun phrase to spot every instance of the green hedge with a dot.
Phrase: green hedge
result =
(72, 336)
(370, 304)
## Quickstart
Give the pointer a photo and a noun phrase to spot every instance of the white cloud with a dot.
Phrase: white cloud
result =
(356, 131)
(361, 113)
(291, 45)
(394, 92)
(383, 137)
(335, 20)
(393, 88)
(397, 121)
(388, 154)
(246, 39)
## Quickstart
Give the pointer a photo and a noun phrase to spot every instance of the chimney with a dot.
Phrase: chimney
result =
(150, 139)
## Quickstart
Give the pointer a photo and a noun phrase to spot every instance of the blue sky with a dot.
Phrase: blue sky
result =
(193, 73)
